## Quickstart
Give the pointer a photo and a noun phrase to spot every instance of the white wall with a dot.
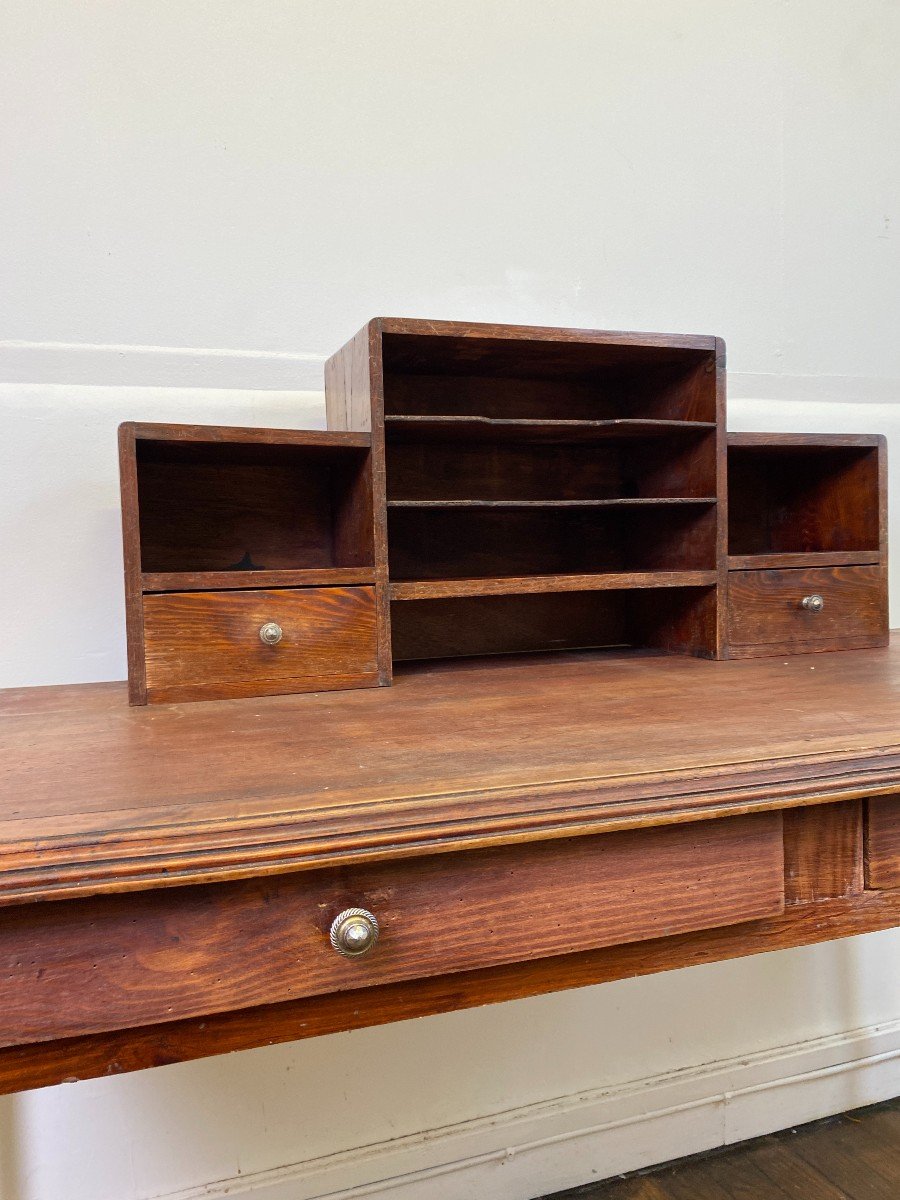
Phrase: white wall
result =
(209, 197)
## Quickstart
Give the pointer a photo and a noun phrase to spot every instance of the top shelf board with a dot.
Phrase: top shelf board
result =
(451, 347)
(478, 428)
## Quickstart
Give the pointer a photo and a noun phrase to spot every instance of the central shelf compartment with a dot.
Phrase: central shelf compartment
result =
(672, 467)
(663, 618)
(431, 542)
(401, 427)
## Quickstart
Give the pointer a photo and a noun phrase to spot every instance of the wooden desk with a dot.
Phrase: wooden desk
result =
(169, 875)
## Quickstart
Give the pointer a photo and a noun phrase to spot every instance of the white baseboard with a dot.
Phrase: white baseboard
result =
(571, 1140)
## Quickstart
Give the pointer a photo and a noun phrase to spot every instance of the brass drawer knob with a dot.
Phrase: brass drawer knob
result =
(813, 604)
(354, 932)
(271, 633)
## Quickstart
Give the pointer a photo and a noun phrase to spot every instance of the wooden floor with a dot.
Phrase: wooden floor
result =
(855, 1156)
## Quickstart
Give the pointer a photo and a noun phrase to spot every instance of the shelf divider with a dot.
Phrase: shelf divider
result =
(216, 581)
(620, 502)
(437, 589)
(438, 427)
(816, 558)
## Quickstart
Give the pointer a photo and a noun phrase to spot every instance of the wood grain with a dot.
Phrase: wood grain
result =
(819, 558)
(474, 427)
(213, 507)
(764, 609)
(823, 852)
(207, 644)
(131, 548)
(96, 796)
(99, 964)
(42, 1064)
(805, 492)
(488, 441)
(354, 400)
(433, 589)
(213, 581)
(883, 842)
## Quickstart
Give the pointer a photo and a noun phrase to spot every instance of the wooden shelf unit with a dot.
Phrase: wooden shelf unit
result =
(538, 488)
(490, 489)
(227, 530)
(807, 543)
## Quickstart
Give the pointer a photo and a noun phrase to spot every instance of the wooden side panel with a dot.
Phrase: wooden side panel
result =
(131, 546)
(823, 851)
(85, 966)
(354, 400)
(206, 645)
(883, 842)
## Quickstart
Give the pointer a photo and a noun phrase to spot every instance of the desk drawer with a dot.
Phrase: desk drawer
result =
(883, 842)
(208, 645)
(796, 611)
(118, 961)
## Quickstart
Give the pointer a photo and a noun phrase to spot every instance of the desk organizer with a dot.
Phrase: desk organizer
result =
(249, 561)
(491, 489)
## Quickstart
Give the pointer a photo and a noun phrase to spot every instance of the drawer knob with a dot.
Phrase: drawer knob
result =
(354, 932)
(813, 603)
(271, 633)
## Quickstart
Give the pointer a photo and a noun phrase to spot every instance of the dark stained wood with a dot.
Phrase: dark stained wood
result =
(823, 852)
(810, 501)
(354, 400)
(206, 645)
(883, 842)
(209, 508)
(721, 1177)
(502, 541)
(212, 506)
(213, 581)
(131, 546)
(549, 503)
(635, 1188)
(771, 1168)
(842, 1164)
(435, 589)
(805, 492)
(507, 619)
(473, 427)
(818, 558)
(42, 1064)
(507, 452)
(245, 435)
(796, 1178)
(765, 615)
(501, 470)
(96, 796)
(111, 962)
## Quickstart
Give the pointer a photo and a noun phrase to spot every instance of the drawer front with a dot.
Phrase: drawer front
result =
(117, 961)
(846, 608)
(208, 645)
(883, 842)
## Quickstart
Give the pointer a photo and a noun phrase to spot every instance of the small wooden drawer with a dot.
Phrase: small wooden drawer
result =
(209, 645)
(146, 957)
(883, 842)
(797, 611)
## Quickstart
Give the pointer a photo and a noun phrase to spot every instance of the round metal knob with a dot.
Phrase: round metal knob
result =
(354, 932)
(813, 604)
(271, 633)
